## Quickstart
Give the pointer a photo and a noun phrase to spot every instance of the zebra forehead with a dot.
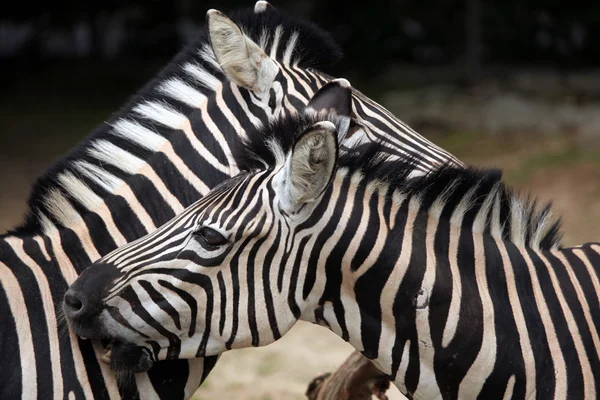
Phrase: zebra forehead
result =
(265, 147)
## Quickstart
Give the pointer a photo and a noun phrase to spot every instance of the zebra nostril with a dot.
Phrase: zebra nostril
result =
(72, 304)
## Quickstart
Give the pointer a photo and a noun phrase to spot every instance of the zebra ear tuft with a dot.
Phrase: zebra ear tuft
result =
(309, 167)
(262, 6)
(242, 60)
(335, 97)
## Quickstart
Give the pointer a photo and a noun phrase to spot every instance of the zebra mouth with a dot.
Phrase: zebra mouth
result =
(126, 357)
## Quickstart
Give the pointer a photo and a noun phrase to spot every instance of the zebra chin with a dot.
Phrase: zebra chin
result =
(127, 358)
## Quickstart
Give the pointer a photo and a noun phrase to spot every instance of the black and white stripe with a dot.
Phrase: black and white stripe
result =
(453, 285)
(166, 148)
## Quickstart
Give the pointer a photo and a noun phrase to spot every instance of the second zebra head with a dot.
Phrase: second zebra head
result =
(226, 273)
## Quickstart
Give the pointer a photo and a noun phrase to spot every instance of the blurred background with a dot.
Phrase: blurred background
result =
(513, 84)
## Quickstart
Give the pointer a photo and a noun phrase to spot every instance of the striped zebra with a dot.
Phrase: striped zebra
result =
(454, 286)
(166, 148)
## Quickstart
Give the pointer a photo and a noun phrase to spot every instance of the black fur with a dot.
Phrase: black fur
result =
(375, 163)
(315, 48)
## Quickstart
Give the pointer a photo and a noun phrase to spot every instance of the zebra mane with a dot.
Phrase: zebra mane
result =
(85, 177)
(312, 46)
(476, 197)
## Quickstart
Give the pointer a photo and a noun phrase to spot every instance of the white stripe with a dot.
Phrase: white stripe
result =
(585, 306)
(138, 134)
(76, 188)
(400, 382)
(110, 153)
(519, 318)
(60, 208)
(390, 291)
(92, 202)
(560, 369)
(589, 385)
(208, 55)
(99, 176)
(455, 230)
(240, 100)
(117, 187)
(18, 308)
(177, 88)
(510, 386)
(162, 114)
(202, 76)
(289, 50)
(49, 315)
(42, 244)
(275, 44)
(427, 387)
(483, 365)
(68, 272)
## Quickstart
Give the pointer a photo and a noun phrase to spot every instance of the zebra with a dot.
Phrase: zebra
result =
(167, 147)
(454, 286)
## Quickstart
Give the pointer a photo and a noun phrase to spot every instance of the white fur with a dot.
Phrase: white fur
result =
(101, 177)
(138, 134)
(162, 114)
(60, 208)
(517, 225)
(179, 90)
(275, 44)
(25, 350)
(202, 76)
(110, 153)
(48, 226)
(496, 224)
(289, 48)
(79, 190)
(483, 213)
(208, 55)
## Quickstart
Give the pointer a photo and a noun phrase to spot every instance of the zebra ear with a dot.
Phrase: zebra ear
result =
(242, 60)
(262, 6)
(309, 166)
(334, 97)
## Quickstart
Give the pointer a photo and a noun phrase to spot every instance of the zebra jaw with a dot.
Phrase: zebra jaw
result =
(126, 358)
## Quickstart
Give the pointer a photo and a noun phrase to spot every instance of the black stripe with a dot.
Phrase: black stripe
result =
(137, 307)
(508, 347)
(161, 302)
(10, 363)
(223, 300)
(189, 299)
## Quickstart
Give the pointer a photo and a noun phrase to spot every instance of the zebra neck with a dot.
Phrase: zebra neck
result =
(448, 311)
(413, 293)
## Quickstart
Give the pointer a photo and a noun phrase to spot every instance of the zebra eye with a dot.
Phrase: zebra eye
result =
(272, 102)
(210, 237)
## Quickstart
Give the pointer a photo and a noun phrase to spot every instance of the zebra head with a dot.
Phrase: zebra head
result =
(224, 273)
(266, 57)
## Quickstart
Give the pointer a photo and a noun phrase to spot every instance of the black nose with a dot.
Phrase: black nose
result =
(77, 306)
